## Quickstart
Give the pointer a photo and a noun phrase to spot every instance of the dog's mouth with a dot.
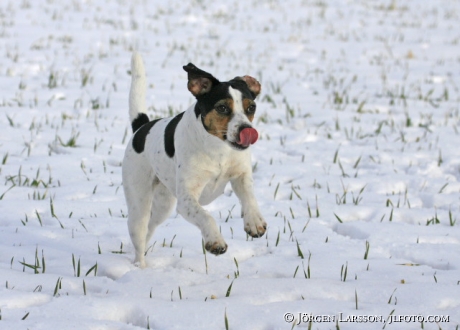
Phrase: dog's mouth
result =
(247, 136)
(237, 146)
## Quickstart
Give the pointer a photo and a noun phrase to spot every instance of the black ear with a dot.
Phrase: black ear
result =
(199, 81)
(253, 85)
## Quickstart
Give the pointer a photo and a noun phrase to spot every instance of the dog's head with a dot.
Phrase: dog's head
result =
(226, 108)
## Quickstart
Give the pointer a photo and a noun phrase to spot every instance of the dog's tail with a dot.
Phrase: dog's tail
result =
(137, 108)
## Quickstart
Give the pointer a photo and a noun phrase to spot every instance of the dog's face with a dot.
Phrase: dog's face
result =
(226, 108)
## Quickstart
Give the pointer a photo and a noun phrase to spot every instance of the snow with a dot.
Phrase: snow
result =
(357, 167)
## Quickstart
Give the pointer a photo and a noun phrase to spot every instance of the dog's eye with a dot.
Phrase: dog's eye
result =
(251, 109)
(223, 109)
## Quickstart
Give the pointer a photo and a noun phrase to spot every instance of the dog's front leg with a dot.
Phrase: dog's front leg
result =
(188, 194)
(254, 223)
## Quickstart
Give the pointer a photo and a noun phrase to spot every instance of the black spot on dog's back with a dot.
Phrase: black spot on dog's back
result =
(140, 120)
(141, 135)
(169, 135)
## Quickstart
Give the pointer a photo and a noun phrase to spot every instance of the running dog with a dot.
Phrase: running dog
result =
(190, 158)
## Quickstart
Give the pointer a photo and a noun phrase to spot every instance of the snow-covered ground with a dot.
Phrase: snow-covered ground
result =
(357, 170)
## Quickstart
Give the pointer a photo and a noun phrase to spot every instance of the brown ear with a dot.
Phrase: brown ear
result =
(199, 82)
(199, 86)
(253, 84)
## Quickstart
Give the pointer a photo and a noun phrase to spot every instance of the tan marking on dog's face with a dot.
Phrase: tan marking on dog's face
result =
(216, 122)
(247, 105)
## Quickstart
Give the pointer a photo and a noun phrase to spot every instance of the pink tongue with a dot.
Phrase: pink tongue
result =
(248, 136)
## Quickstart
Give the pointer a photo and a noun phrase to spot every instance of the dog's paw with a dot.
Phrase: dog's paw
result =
(139, 263)
(254, 225)
(216, 247)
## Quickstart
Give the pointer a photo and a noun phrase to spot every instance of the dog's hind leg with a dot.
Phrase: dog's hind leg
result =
(138, 185)
(162, 205)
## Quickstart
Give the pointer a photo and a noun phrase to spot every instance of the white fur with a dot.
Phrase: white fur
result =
(196, 175)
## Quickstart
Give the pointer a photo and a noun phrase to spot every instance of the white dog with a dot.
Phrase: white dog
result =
(190, 157)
